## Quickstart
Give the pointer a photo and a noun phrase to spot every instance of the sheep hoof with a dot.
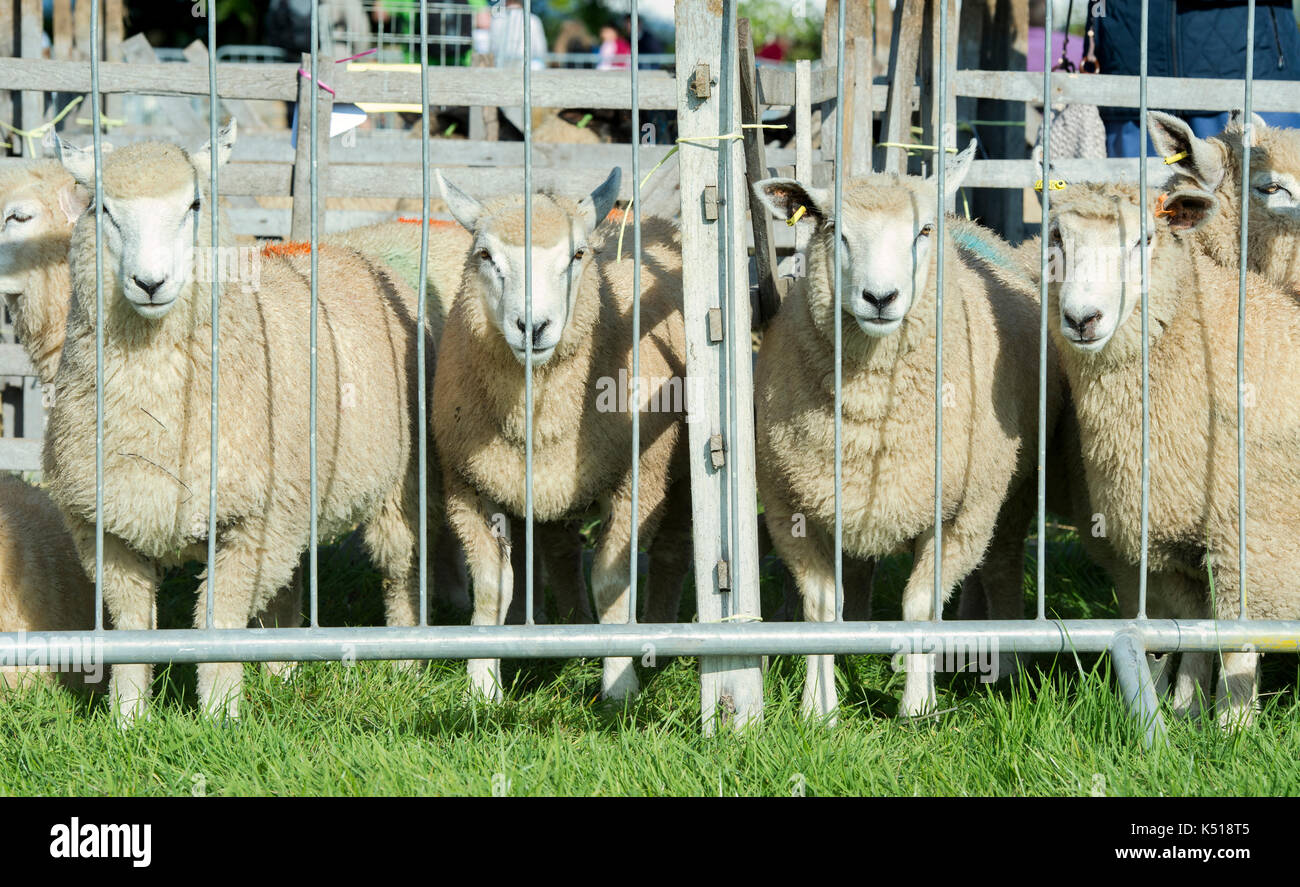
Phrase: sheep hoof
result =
(820, 699)
(485, 679)
(1235, 717)
(618, 680)
(918, 688)
(282, 670)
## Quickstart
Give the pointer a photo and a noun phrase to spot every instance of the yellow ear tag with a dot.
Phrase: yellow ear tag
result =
(1174, 158)
(798, 214)
(1053, 185)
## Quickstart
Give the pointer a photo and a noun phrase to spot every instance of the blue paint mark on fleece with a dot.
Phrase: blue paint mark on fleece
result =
(971, 242)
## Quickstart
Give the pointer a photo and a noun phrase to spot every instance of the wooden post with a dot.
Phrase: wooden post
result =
(930, 84)
(32, 103)
(726, 564)
(896, 127)
(61, 42)
(1005, 29)
(113, 28)
(300, 229)
(7, 109)
(862, 111)
(771, 288)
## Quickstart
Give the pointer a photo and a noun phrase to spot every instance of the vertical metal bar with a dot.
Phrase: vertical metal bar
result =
(214, 153)
(1041, 587)
(315, 293)
(1146, 348)
(635, 401)
(1247, 140)
(839, 316)
(941, 169)
(528, 310)
(99, 317)
(729, 282)
(422, 423)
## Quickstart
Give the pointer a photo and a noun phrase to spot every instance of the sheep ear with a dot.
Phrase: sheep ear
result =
(1189, 208)
(955, 169)
(596, 205)
(463, 208)
(1201, 160)
(80, 162)
(1236, 120)
(202, 158)
(785, 197)
(73, 200)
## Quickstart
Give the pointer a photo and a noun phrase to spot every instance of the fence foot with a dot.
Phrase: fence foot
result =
(1129, 656)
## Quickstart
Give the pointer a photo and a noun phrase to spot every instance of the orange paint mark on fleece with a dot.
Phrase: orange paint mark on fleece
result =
(287, 248)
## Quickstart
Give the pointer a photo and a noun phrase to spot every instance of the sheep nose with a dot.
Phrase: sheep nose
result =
(149, 286)
(538, 329)
(1085, 326)
(879, 300)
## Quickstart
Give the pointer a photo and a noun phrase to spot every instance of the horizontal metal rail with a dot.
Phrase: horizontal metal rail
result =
(681, 639)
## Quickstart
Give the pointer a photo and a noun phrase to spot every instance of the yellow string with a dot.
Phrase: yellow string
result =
(39, 131)
(690, 140)
(910, 146)
(104, 121)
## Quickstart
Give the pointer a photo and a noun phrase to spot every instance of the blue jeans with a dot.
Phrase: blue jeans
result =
(1122, 135)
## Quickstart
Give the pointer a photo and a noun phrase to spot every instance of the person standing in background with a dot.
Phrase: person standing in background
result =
(1192, 38)
(506, 36)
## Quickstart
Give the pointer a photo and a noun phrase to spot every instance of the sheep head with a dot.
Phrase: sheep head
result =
(1214, 164)
(1095, 272)
(39, 204)
(155, 216)
(887, 240)
(561, 255)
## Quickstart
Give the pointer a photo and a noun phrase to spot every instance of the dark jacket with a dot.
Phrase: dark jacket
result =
(1195, 38)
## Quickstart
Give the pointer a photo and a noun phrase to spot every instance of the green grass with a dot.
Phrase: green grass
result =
(370, 729)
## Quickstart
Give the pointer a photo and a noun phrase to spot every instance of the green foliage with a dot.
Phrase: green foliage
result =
(772, 18)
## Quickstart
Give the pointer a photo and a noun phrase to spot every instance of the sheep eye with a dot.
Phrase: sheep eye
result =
(927, 230)
(1271, 188)
(1056, 237)
(17, 217)
(194, 207)
(484, 255)
(579, 254)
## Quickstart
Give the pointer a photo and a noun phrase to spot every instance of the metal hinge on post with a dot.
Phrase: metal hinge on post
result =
(701, 81)
(724, 576)
(717, 455)
(711, 203)
(715, 326)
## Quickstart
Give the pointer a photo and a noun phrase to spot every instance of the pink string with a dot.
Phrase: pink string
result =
(357, 56)
(319, 83)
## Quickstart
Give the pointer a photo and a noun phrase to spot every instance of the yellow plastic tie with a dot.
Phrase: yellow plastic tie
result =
(1052, 185)
(39, 131)
(1174, 158)
(798, 214)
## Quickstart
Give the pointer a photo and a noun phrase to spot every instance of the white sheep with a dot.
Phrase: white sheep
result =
(582, 350)
(157, 327)
(1273, 243)
(990, 409)
(1193, 537)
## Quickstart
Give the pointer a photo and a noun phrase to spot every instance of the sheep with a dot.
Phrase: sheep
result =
(41, 202)
(156, 399)
(581, 350)
(990, 423)
(1273, 247)
(42, 586)
(1193, 535)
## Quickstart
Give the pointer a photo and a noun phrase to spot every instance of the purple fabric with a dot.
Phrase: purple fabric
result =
(1034, 61)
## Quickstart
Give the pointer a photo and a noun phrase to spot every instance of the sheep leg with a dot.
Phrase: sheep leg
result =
(1002, 573)
(484, 532)
(561, 544)
(391, 537)
(283, 611)
(130, 597)
(248, 574)
(961, 552)
(1238, 690)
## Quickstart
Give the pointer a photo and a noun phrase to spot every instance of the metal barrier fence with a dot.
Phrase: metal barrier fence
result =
(724, 505)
